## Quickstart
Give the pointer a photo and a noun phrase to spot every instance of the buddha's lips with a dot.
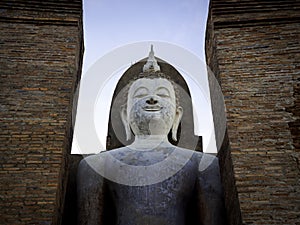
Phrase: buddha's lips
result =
(152, 108)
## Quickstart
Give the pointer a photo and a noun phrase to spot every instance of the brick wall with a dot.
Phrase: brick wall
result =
(253, 49)
(41, 49)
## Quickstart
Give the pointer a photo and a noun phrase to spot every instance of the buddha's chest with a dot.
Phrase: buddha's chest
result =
(174, 191)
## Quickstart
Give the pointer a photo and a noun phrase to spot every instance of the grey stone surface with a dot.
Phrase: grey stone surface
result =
(150, 181)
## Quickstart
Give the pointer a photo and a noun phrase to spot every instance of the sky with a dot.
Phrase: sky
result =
(111, 24)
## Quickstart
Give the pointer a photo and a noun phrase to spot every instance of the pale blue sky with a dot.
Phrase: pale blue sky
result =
(109, 24)
(112, 23)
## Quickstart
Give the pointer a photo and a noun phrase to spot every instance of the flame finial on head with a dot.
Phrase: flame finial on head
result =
(151, 64)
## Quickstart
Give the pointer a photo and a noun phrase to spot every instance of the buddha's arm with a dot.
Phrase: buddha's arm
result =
(210, 192)
(90, 195)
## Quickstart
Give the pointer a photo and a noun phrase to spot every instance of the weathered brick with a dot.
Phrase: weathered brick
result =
(41, 49)
(253, 49)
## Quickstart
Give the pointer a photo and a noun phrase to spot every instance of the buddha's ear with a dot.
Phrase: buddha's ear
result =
(125, 122)
(178, 115)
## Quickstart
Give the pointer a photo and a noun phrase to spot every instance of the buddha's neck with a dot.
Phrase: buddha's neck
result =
(150, 141)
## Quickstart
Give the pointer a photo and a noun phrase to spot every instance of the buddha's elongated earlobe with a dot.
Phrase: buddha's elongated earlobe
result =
(123, 114)
(178, 115)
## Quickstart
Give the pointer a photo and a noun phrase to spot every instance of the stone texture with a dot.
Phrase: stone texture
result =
(253, 49)
(114, 141)
(40, 60)
(150, 181)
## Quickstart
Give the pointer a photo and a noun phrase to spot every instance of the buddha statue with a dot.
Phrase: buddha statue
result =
(151, 181)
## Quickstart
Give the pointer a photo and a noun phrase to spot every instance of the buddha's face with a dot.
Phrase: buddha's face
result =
(151, 106)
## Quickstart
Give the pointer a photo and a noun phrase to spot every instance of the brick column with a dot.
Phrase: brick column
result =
(254, 50)
(41, 49)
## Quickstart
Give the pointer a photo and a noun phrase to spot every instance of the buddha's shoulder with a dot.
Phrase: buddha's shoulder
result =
(200, 155)
(99, 158)
(204, 160)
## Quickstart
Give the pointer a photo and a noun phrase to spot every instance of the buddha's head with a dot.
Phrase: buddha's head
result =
(152, 107)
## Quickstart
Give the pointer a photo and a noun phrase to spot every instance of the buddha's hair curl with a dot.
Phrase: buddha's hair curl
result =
(152, 75)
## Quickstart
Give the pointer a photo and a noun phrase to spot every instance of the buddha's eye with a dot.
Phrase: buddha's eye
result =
(163, 92)
(140, 92)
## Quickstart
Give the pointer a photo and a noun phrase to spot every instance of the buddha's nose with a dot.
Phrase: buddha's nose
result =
(151, 101)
